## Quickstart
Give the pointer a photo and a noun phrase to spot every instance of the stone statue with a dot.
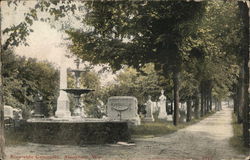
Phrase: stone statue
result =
(149, 110)
(162, 106)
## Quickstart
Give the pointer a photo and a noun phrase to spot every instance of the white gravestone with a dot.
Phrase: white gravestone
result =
(123, 108)
(8, 112)
(183, 112)
(149, 111)
(162, 106)
(62, 110)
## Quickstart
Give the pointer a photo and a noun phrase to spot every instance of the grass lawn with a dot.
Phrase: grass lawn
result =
(237, 140)
(160, 127)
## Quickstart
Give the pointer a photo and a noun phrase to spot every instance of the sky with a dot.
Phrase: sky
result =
(45, 43)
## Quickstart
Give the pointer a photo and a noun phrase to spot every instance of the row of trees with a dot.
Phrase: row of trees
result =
(200, 48)
(188, 50)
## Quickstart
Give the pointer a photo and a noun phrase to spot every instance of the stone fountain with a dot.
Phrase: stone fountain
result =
(63, 103)
(70, 128)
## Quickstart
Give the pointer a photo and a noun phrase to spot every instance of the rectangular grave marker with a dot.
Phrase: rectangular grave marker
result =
(123, 108)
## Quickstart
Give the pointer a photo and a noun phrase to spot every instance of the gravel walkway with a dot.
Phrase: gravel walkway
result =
(206, 140)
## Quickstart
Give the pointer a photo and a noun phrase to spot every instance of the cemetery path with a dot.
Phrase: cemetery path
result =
(206, 140)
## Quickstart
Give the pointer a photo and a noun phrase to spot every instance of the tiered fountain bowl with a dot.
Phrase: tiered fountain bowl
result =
(77, 91)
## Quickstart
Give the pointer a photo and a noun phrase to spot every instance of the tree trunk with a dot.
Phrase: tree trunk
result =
(244, 12)
(189, 110)
(219, 105)
(235, 99)
(210, 99)
(206, 100)
(2, 140)
(240, 95)
(202, 100)
(176, 80)
(196, 105)
(172, 107)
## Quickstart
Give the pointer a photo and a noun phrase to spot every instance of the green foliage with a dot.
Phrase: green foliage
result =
(24, 78)
(135, 33)
(130, 82)
(211, 53)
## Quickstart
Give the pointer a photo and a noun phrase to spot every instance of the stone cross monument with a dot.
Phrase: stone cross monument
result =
(62, 110)
(162, 106)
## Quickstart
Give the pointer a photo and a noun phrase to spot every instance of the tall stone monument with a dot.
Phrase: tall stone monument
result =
(149, 111)
(63, 110)
(162, 106)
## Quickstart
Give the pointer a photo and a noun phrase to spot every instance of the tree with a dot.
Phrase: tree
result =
(2, 139)
(244, 8)
(24, 78)
(138, 84)
(140, 23)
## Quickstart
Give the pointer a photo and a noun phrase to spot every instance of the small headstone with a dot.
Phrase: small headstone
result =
(8, 112)
(39, 106)
(123, 108)
(149, 111)
(162, 106)
(170, 118)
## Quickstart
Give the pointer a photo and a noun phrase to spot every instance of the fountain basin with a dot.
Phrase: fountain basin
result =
(76, 131)
(77, 91)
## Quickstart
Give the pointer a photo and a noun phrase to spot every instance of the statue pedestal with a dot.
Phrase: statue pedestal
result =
(162, 115)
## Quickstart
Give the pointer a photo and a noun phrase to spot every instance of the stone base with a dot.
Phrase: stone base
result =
(76, 133)
(63, 110)
(148, 119)
(136, 121)
(63, 114)
(38, 116)
(162, 116)
(170, 118)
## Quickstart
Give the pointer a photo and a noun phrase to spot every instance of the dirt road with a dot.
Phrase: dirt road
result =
(206, 140)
